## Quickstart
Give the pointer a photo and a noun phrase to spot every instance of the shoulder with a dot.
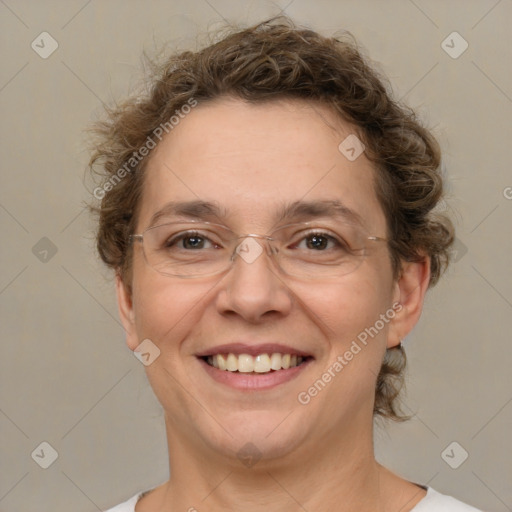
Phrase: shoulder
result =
(437, 502)
(127, 506)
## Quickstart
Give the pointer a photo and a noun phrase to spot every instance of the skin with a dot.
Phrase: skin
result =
(249, 159)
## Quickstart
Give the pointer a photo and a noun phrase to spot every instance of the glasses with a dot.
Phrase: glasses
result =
(190, 249)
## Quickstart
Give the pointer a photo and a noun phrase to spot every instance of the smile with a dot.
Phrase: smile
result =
(261, 363)
(247, 366)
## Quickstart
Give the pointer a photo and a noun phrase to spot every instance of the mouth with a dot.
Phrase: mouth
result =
(259, 364)
(250, 367)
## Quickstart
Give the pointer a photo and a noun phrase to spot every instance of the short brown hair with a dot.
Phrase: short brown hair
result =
(277, 60)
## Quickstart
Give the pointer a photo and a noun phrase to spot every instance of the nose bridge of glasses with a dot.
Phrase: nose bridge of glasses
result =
(249, 249)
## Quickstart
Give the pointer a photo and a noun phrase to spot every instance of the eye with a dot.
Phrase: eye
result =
(317, 242)
(192, 240)
(320, 241)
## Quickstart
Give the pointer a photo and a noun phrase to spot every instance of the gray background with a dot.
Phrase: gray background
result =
(66, 376)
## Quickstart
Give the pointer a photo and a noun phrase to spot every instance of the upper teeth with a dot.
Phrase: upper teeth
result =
(246, 363)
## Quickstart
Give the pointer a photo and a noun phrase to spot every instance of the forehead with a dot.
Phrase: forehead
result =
(255, 162)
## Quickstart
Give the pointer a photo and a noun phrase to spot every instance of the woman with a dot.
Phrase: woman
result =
(268, 210)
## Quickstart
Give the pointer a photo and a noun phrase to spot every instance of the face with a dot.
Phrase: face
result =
(251, 161)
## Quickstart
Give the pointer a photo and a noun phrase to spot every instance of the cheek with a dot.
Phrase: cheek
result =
(345, 309)
(351, 318)
(167, 310)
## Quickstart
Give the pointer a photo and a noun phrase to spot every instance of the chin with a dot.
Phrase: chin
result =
(262, 435)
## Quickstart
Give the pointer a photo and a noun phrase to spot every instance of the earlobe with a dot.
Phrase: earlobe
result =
(410, 290)
(126, 312)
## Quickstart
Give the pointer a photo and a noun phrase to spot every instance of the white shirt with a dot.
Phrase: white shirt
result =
(432, 502)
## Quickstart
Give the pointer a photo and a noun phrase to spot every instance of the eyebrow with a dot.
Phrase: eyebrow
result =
(202, 210)
(205, 210)
(319, 208)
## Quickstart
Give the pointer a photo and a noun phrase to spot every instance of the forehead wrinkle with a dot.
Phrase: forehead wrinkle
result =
(318, 208)
(207, 210)
(196, 209)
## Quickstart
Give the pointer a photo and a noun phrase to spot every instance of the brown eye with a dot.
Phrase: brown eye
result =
(189, 241)
(193, 242)
(317, 242)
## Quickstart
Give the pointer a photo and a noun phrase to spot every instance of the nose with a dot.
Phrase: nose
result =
(254, 289)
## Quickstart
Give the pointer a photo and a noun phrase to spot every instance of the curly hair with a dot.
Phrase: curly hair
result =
(277, 60)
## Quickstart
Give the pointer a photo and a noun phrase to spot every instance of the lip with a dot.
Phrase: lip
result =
(253, 350)
(254, 381)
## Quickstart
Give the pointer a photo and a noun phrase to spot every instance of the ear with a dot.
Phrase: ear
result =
(125, 306)
(410, 289)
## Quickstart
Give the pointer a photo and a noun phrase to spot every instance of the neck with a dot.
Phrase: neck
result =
(339, 473)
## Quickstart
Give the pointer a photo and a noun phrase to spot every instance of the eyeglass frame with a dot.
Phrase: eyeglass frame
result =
(268, 237)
